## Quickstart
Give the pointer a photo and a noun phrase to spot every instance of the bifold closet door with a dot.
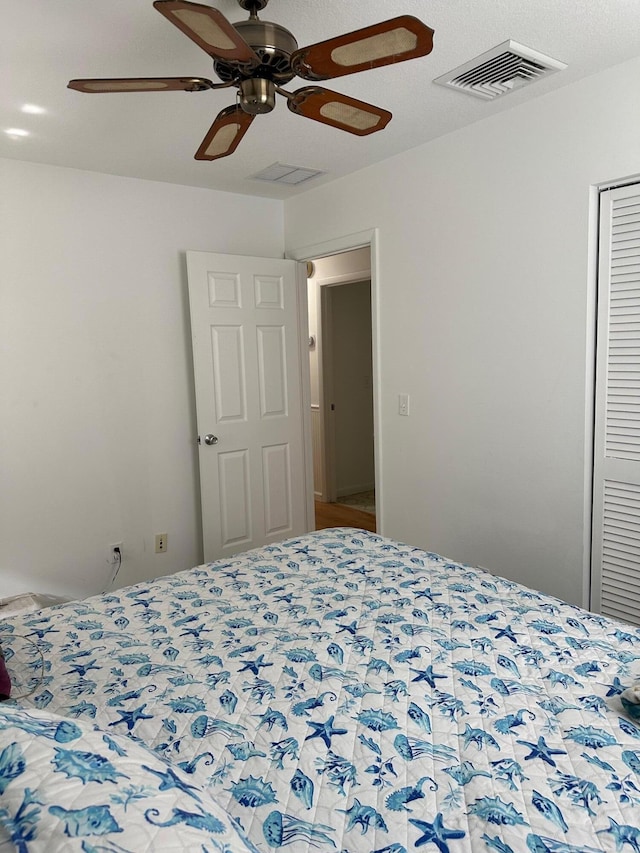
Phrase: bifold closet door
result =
(615, 589)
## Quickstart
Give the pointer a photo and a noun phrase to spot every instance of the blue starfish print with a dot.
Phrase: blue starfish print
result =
(195, 631)
(132, 717)
(427, 675)
(170, 780)
(507, 632)
(435, 833)
(82, 669)
(145, 602)
(254, 665)
(352, 628)
(427, 593)
(325, 730)
(541, 750)
(40, 632)
(232, 574)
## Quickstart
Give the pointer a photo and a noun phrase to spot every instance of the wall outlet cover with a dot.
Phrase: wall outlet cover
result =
(114, 554)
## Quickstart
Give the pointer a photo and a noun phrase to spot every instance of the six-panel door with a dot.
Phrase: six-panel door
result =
(249, 382)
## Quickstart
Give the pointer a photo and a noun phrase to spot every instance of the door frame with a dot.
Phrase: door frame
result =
(305, 392)
(335, 246)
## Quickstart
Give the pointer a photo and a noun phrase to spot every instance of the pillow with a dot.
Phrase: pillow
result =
(630, 699)
(67, 785)
(5, 681)
(23, 663)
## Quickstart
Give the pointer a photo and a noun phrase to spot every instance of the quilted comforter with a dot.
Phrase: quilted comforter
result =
(345, 692)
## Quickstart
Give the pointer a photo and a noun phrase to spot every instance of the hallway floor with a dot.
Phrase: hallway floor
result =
(338, 515)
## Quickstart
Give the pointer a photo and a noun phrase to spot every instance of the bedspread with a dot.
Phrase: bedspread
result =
(342, 691)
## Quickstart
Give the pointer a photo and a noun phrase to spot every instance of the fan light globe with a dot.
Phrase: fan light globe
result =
(257, 96)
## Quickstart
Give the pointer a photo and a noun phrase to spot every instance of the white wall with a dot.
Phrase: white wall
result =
(97, 419)
(485, 315)
(352, 386)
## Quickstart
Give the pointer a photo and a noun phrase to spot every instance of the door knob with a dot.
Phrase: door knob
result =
(210, 439)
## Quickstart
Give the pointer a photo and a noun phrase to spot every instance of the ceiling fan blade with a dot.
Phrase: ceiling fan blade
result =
(142, 84)
(224, 135)
(208, 28)
(338, 110)
(395, 40)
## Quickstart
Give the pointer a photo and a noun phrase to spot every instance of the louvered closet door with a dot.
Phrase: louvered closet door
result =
(616, 519)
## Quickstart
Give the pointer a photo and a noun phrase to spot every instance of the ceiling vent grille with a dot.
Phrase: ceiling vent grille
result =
(281, 173)
(503, 69)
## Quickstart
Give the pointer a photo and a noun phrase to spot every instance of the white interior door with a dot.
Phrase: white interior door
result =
(252, 400)
(615, 587)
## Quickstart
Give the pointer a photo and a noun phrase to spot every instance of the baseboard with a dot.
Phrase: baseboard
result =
(354, 490)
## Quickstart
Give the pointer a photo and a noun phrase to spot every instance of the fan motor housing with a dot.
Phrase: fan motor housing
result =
(273, 45)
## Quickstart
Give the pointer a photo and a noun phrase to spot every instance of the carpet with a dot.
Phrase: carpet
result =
(365, 501)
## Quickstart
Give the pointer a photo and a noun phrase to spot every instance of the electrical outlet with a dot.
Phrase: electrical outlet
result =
(114, 559)
(114, 554)
(403, 405)
(161, 543)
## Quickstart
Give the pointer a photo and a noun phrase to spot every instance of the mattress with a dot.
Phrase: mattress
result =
(341, 691)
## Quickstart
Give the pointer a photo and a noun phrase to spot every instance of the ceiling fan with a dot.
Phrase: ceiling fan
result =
(257, 57)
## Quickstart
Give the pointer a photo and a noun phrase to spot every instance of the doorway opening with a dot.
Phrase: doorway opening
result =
(341, 380)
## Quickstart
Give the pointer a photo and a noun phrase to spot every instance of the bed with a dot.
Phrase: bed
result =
(339, 691)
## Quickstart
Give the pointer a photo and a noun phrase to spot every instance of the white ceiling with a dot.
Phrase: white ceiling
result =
(44, 43)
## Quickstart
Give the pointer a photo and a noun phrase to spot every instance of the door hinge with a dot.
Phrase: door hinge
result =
(199, 442)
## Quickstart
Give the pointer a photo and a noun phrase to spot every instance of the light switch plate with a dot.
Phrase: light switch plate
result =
(403, 405)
